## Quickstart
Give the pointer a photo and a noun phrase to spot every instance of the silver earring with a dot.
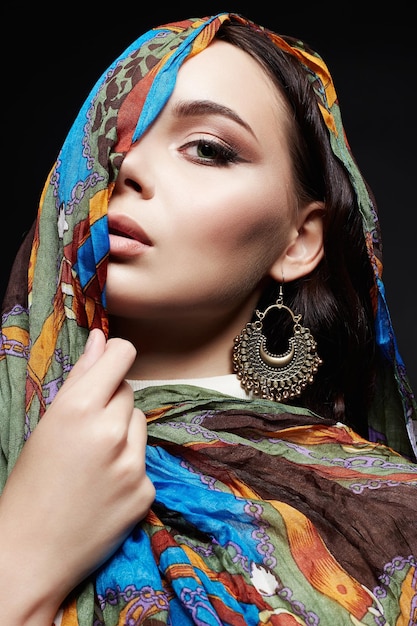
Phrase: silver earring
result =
(275, 376)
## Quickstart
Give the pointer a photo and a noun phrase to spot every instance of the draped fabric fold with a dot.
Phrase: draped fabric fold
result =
(241, 531)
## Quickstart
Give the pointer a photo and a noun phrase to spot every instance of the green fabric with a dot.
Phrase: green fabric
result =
(261, 515)
(57, 294)
(47, 316)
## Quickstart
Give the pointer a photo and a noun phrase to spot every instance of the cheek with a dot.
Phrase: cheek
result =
(246, 212)
(258, 224)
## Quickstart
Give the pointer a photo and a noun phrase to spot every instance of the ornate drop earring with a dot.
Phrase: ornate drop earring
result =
(275, 376)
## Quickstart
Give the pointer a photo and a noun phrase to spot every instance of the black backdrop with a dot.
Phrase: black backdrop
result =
(55, 56)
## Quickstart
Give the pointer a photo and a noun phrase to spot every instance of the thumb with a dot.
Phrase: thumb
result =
(94, 348)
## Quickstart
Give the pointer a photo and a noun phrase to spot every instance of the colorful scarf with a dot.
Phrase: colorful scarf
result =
(184, 565)
(261, 517)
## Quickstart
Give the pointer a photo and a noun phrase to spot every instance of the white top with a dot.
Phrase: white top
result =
(228, 384)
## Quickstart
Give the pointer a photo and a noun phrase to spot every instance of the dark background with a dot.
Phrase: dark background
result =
(55, 56)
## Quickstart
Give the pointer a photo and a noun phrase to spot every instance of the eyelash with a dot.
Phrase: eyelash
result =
(223, 155)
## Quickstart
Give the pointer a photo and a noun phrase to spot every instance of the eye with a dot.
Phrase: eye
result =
(210, 152)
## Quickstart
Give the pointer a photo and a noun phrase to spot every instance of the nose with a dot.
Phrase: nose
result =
(135, 173)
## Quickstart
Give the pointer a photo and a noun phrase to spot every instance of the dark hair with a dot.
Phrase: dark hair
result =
(334, 300)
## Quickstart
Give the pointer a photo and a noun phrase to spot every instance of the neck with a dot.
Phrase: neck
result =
(181, 348)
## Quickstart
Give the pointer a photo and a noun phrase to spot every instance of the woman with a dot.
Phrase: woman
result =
(219, 249)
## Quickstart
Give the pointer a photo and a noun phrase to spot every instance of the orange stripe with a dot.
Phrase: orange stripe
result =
(319, 566)
(407, 600)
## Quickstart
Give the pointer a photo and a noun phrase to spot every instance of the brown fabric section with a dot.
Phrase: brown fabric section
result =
(17, 288)
(350, 523)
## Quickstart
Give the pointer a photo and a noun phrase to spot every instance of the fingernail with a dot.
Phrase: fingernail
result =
(90, 341)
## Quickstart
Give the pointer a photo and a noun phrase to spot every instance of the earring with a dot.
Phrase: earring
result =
(275, 376)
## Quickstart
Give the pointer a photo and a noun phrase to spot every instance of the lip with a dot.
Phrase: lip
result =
(126, 237)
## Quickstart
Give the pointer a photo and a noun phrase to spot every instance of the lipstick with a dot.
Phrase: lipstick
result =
(126, 236)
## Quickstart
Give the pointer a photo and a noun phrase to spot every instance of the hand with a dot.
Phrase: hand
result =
(78, 487)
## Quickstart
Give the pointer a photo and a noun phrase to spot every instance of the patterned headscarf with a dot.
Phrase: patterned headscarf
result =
(45, 326)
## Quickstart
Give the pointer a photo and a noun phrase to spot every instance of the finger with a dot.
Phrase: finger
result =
(138, 432)
(138, 438)
(100, 369)
(94, 348)
(102, 379)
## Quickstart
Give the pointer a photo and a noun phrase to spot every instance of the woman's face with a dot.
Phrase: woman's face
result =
(204, 203)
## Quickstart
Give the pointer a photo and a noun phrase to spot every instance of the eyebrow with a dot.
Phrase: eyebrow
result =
(194, 108)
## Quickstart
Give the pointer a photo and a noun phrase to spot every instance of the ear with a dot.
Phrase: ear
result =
(305, 249)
